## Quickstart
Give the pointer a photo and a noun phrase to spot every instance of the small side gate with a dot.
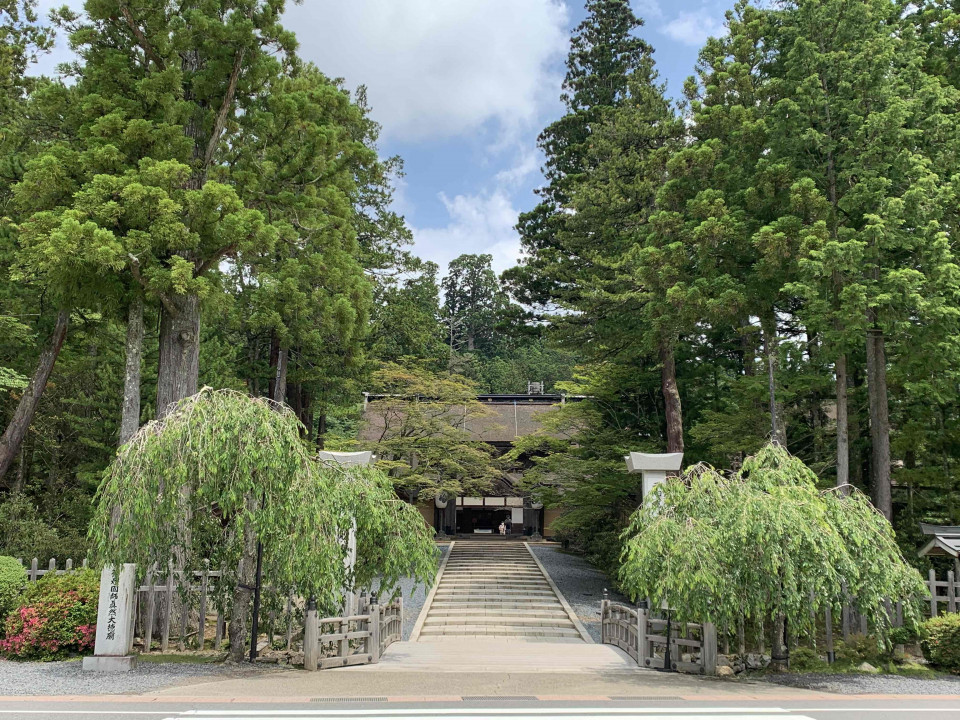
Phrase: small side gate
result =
(659, 642)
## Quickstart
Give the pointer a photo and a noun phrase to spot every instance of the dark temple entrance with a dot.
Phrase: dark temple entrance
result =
(481, 519)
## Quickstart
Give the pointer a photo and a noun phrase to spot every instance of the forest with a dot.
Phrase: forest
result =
(766, 255)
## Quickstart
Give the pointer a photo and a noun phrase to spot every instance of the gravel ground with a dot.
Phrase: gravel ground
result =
(68, 678)
(855, 684)
(579, 582)
(414, 596)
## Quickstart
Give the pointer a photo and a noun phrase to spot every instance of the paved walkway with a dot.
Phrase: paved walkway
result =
(496, 589)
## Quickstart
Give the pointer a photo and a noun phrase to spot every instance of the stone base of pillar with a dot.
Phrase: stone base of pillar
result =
(109, 663)
(536, 537)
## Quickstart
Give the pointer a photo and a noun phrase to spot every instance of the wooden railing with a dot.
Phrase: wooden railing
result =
(653, 642)
(334, 642)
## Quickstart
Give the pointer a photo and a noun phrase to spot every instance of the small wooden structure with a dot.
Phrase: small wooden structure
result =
(352, 639)
(656, 641)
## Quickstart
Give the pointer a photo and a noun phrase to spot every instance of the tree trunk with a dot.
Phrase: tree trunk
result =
(778, 432)
(130, 418)
(879, 418)
(243, 592)
(671, 398)
(179, 365)
(280, 379)
(843, 433)
(27, 407)
(778, 644)
(321, 430)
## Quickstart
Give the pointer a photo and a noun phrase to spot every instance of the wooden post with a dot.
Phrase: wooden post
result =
(373, 625)
(34, 570)
(311, 637)
(828, 617)
(708, 654)
(218, 637)
(932, 582)
(642, 645)
(951, 593)
(202, 619)
(52, 566)
(167, 612)
(845, 614)
(344, 644)
(151, 611)
(289, 643)
(184, 609)
(604, 603)
(69, 564)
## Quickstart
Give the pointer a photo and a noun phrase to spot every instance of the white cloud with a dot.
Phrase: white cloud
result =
(647, 9)
(478, 224)
(482, 222)
(693, 28)
(439, 69)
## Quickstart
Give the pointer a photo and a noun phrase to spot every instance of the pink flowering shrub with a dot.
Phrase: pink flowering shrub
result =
(56, 617)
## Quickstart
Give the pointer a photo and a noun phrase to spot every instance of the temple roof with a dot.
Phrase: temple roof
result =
(944, 540)
(505, 417)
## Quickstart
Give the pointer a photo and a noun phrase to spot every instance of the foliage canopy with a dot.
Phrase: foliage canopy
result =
(762, 544)
(224, 466)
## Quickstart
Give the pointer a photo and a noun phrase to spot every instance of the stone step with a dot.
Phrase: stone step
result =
(499, 620)
(496, 602)
(499, 630)
(551, 612)
(495, 607)
(494, 582)
(505, 594)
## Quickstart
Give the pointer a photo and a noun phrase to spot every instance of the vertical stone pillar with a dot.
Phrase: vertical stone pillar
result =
(347, 459)
(114, 639)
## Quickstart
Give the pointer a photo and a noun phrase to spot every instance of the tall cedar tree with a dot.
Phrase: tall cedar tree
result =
(604, 54)
(872, 199)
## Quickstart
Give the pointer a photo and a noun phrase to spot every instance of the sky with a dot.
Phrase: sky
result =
(462, 89)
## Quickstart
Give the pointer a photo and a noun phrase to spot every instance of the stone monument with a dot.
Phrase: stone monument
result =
(114, 640)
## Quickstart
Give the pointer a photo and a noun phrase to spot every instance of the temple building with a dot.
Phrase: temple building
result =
(505, 419)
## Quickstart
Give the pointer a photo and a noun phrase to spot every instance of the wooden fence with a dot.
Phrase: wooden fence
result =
(173, 613)
(351, 640)
(659, 642)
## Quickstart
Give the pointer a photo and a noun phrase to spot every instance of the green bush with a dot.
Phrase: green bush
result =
(903, 636)
(26, 533)
(940, 642)
(13, 578)
(56, 617)
(807, 660)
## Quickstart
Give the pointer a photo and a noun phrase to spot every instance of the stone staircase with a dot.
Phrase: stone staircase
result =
(493, 588)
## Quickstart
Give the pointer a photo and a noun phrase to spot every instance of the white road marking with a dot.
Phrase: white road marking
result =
(498, 712)
(520, 715)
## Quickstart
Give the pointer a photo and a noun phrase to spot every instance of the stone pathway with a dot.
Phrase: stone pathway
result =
(496, 588)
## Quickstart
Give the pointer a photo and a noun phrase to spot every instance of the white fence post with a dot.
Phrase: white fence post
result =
(311, 637)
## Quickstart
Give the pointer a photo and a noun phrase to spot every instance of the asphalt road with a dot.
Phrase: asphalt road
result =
(512, 709)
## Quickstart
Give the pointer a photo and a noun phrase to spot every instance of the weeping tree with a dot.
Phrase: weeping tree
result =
(224, 471)
(763, 547)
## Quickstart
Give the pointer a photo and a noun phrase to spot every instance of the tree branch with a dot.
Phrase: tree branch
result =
(214, 259)
(224, 108)
(135, 271)
(141, 37)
